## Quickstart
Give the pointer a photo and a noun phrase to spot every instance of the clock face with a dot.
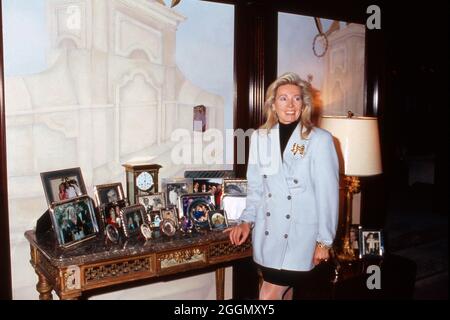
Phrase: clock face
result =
(144, 181)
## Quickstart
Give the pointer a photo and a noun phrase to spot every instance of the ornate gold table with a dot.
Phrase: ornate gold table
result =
(95, 264)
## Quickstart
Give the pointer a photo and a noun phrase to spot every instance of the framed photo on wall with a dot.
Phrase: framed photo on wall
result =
(371, 243)
(74, 220)
(63, 184)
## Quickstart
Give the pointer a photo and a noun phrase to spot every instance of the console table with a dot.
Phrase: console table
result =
(96, 264)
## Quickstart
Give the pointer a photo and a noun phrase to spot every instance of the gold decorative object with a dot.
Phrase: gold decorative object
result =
(181, 257)
(300, 149)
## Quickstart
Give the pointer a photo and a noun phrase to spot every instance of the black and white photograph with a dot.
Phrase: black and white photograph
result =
(62, 185)
(108, 193)
(153, 202)
(74, 220)
(371, 243)
(174, 189)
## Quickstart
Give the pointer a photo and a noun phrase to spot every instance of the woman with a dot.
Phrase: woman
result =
(292, 196)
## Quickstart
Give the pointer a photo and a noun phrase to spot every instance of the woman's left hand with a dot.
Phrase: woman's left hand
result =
(321, 254)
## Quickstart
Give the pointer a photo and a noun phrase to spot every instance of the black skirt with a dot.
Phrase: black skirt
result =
(283, 277)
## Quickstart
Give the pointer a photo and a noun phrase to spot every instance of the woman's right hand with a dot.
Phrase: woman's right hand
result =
(239, 233)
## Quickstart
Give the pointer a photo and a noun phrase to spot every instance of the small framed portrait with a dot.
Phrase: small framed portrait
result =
(218, 220)
(132, 218)
(233, 205)
(175, 188)
(168, 227)
(211, 185)
(63, 185)
(146, 231)
(235, 187)
(108, 193)
(169, 213)
(153, 202)
(192, 204)
(154, 219)
(112, 234)
(354, 237)
(74, 220)
(371, 243)
(110, 213)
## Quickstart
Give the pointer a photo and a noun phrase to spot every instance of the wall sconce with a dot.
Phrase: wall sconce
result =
(358, 147)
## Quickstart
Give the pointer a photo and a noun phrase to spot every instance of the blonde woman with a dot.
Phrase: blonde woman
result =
(292, 196)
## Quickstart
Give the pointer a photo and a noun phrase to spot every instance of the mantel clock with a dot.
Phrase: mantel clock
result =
(141, 180)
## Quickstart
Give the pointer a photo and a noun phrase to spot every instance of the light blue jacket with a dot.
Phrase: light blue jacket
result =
(293, 202)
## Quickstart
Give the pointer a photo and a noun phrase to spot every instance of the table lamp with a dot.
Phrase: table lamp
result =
(358, 148)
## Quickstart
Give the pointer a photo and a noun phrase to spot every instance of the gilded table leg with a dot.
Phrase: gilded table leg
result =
(44, 287)
(220, 283)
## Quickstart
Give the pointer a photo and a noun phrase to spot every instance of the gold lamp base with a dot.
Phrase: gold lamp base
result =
(346, 252)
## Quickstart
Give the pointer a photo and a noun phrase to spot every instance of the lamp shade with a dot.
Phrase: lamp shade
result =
(357, 142)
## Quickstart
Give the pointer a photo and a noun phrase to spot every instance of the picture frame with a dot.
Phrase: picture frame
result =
(168, 227)
(153, 202)
(233, 205)
(174, 188)
(169, 213)
(234, 187)
(354, 237)
(187, 201)
(209, 185)
(146, 231)
(110, 213)
(74, 220)
(154, 219)
(132, 217)
(108, 193)
(218, 220)
(112, 234)
(371, 243)
(61, 185)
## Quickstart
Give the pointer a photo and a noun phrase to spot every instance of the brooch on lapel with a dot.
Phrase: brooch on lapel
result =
(300, 149)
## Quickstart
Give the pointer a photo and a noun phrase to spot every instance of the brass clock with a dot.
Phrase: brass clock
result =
(141, 180)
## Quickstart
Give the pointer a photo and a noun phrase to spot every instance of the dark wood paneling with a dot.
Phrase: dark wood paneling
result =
(5, 258)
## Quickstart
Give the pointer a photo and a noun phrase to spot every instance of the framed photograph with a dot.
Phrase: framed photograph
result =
(218, 220)
(235, 187)
(146, 231)
(153, 202)
(154, 219)
(108, 193)
(188, 202)
(110, 213)
(169, 213)
(371, 243)
(354, 237)
(112, 234)
(74, 220)
(132, 218)
(175, 188)
(209, 185)
(168, 227)
(233, 205)
(63, 185)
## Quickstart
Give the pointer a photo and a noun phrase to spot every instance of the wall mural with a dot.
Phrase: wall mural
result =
(330, 55)
(95, 84)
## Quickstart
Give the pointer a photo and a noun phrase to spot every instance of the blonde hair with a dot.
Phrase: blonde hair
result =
(307, 105)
